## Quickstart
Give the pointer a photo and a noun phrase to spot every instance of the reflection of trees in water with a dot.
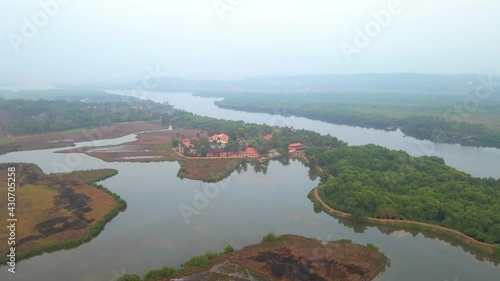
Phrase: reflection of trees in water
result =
(356, 226)
(258, 167)
(313, 174)
(390, 230)
(285, 161)
(262, 166)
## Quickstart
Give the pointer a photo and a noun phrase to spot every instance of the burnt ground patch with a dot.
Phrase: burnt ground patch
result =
(56, 225)
(71, 201)
(75, 203)
(283, 264)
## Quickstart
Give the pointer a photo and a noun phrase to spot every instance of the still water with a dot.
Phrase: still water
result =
(152, 232)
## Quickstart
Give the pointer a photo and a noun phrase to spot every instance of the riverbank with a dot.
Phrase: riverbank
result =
(59, 211)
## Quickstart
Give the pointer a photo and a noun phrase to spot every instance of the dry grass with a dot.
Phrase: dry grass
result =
(67, 138)
(208, 169)
(88, 175)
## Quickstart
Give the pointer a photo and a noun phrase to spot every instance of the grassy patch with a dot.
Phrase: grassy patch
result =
(345, 240)
(373, 247)
(164, 272)
(89, 175)
(271, 237)
(200, 261)
(129, 277)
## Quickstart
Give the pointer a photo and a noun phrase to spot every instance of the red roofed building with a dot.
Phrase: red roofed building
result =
(267, 137)
(215, 153)
(187, 143)
(296, 147)
(249, 152)
(221, 139)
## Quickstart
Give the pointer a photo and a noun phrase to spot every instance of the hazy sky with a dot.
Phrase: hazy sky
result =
(103, 40)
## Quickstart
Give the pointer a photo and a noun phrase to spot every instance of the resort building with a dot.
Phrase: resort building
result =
(249, 152)
(296, 148)
(220, 139)
(187, 143)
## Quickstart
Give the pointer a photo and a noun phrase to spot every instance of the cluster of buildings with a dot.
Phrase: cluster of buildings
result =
(249, 152)
(218, 142)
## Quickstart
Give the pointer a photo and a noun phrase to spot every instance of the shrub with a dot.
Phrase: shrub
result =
(129, 277)
(345, 240)
(228, 249)
(373, 247)
(198, 261)
(271, 237)
(159, 273)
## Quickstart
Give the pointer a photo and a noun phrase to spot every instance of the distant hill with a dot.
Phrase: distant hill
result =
(64, 94)
(399, 82)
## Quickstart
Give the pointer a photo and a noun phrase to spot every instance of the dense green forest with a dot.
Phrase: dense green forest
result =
(23, 116)
(377, 182)
(439, 118)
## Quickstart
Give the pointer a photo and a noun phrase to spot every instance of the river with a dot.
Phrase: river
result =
(152, 232)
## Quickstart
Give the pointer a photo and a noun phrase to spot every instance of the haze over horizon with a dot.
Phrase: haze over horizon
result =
(54, 41)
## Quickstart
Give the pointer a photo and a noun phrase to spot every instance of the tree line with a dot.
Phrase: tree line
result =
(19, 116)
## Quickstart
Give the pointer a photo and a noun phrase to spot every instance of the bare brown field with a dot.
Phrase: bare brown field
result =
(156, 146)
(68, 138)
(212, 169)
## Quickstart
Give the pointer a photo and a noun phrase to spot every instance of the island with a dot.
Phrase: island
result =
(283, 257)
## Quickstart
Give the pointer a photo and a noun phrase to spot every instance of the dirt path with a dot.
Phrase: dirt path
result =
(406, 223)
